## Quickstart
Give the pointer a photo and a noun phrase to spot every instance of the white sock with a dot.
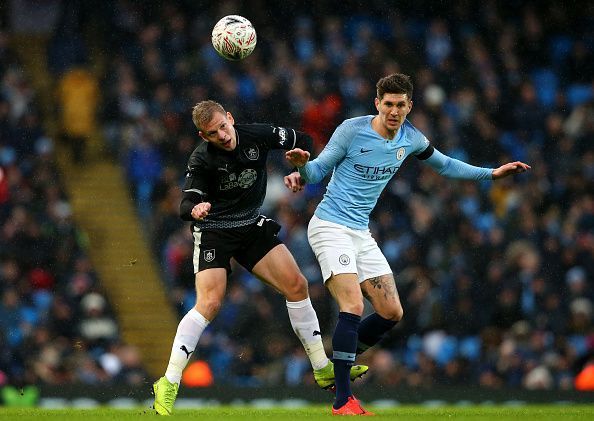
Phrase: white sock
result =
(305, 324)
(189, 330)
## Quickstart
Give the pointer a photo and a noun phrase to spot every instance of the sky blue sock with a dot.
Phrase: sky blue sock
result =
(344, 344)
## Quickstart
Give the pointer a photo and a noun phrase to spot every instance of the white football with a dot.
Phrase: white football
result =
(234, 37)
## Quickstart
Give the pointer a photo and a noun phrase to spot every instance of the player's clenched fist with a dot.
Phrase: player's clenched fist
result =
(200, 211)
(297, 157)
(294, 182)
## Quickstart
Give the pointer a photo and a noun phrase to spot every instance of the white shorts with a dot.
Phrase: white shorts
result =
(340, 249)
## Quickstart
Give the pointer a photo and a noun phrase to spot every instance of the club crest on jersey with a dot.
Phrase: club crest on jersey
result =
(344, 259)
(209, 255)
(400, 153)
(252, 153)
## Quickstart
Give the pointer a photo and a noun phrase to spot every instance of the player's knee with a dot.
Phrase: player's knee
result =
(353, 307)
(394, 313)
(295, 289)
(209, 308)
(398, 314)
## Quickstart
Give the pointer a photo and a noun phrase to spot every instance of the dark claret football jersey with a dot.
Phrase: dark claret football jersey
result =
(235, 182)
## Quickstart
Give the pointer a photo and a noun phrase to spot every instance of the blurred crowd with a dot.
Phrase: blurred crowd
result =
(56, 325)
(496, 278)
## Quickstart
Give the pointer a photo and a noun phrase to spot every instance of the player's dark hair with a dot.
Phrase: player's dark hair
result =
(396, 83)
(203, 111)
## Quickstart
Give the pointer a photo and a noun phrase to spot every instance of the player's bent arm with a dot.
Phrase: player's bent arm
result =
(453, 168)
(294, 182)
(303, 141)
(287, 139)
(190, 199)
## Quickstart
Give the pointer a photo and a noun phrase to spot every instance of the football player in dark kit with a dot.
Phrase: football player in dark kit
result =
(224, 189)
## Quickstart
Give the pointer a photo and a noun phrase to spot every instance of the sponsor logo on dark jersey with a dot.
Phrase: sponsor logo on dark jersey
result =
(246, 179)
(282, 134)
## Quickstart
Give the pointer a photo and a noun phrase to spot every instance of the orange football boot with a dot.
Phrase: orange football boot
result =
(352, 407)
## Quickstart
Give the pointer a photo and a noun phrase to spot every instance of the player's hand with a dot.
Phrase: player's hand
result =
(297, 157)
(509, 169)
(200, 211)
(294, 182)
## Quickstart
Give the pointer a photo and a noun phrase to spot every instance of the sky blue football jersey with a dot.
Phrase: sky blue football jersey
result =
(364, 162)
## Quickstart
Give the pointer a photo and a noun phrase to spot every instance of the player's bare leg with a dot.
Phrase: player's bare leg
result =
(382, 293)
(210, 291)
(346, 291)
(279, 269)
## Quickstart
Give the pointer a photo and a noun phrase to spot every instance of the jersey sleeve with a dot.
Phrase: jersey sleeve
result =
(196, 180)
(422, 148)
(443, 164)
(454, 168)
(195, 189)
(334, 152)
(275, 137)
(288, 138)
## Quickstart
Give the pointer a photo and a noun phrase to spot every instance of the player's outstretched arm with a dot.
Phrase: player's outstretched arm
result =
(297, 157)
(509, 169)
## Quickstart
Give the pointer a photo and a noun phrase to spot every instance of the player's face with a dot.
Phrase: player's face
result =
(393, 109)
(220, 131)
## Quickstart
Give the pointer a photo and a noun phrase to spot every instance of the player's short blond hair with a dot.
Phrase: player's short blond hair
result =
(203, 112)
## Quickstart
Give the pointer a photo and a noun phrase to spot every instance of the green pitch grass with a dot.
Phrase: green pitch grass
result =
(524, 413)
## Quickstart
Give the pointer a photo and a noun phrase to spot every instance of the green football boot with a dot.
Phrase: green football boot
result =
(165, 394)
(324, 377)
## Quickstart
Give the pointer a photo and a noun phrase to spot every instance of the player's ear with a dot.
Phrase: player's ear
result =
(377, 102)
(202, 135)
(230, 118)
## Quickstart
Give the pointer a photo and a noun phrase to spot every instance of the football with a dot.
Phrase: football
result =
(234, 37)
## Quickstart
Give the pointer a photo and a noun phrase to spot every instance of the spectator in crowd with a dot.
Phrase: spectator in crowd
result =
(55, 322)
(78, 94)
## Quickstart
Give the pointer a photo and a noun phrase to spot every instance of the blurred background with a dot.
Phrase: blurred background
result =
(496, 278)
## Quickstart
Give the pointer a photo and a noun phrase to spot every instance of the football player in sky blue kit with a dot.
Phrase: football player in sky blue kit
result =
(363, 155)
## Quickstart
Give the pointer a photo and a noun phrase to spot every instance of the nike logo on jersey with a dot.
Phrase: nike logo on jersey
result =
(365, 150)
(316, 332)
(188, 353)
